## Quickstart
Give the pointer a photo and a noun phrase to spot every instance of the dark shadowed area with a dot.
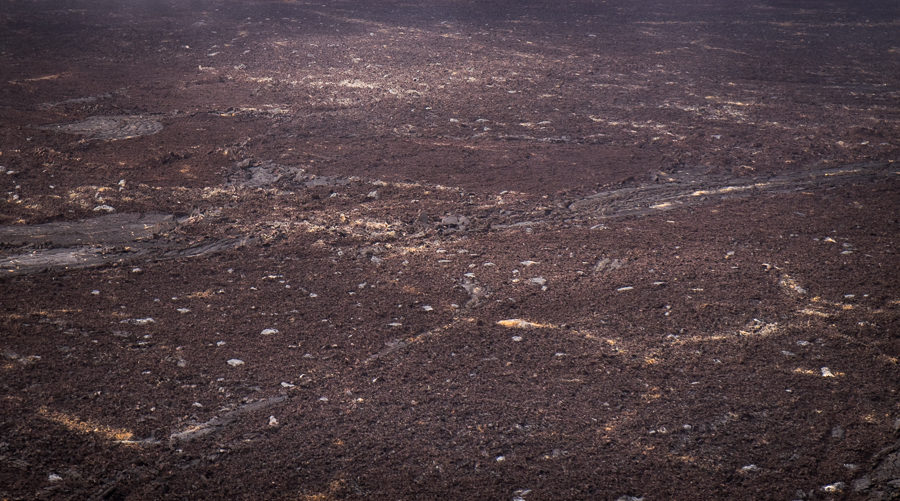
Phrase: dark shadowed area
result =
(449, 249)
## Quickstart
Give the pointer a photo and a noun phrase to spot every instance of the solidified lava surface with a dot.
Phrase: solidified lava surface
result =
(449, 249)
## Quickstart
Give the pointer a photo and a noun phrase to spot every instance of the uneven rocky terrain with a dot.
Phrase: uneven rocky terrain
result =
(450, 249)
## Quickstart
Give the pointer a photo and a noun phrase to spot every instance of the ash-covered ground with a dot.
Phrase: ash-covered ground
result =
(449, 249)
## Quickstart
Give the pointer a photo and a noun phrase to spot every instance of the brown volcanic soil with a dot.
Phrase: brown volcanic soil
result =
(496, 250)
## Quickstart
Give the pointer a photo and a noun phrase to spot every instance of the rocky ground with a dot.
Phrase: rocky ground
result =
(449, 249)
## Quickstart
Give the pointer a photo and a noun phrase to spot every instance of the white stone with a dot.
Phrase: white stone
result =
(835, 487)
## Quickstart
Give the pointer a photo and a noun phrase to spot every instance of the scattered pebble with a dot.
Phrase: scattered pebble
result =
(95, 292)
(269, 332)
(626, 288)
(220, 343)
(538, 280)
(53, 477)
(826, 372)
(519, 494)
(427, 308)
(500, 459)
(104, 208)
(791, 285)
(607, 264)
(749, 468)
(287, 385)
(456, 221)
(235, 362)
(835, 487)
(529, 263)
(143, 321)
(183, 310)
(273, 421)
(517, 338)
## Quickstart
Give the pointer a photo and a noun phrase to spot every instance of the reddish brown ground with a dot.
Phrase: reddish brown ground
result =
(694, 204)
